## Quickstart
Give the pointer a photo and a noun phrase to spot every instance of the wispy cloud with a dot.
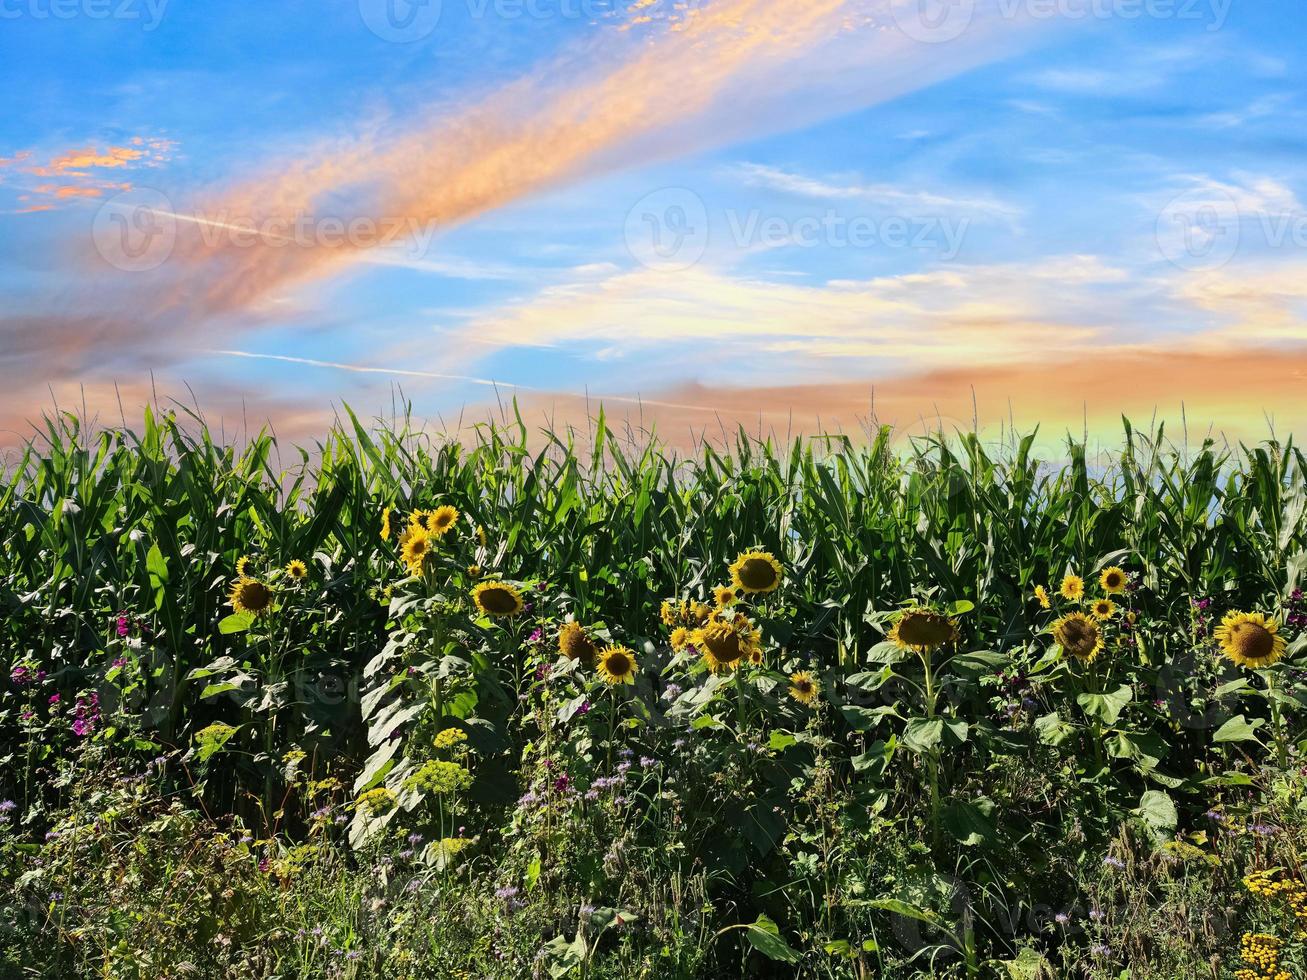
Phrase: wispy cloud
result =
(901, 199)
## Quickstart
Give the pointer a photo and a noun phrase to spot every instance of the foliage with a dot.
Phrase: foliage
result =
(526, 706)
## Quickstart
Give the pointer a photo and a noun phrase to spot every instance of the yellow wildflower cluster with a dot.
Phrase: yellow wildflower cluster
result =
(438, 776)
(1262, 954)
(449, 737)
(1290, 893)
(452, 845)
(377, 801)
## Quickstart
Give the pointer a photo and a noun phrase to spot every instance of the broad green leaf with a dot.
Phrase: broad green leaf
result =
(765, 936)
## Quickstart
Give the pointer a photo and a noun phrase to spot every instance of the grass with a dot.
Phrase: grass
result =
(376, 776)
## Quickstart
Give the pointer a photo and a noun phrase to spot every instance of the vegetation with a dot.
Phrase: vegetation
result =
(525, 707)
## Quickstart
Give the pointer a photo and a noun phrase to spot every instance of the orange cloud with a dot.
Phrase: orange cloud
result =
(697, 77)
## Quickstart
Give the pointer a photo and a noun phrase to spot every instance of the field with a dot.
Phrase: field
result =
(534, 704)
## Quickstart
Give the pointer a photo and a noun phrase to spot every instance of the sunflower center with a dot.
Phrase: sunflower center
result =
(499, 600)
(723, 644)
(1078, 638)
(255, 595)
(1252, 641)
(757, 573)
(618, 664)
(1112, 580)
(925, 629)
(803, 686)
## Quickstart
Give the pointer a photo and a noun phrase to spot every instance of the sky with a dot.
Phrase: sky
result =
(788, 214)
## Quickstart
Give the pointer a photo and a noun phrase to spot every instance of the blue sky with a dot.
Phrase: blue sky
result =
(709, 204)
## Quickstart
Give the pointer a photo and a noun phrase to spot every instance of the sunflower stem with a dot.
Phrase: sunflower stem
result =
(1277, 720)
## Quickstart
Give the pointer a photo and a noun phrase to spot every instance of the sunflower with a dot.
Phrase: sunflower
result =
(296, 569)
(1113, 580)
(921, 631)
(385, 524)
(725, 642)
(481, 535)
(1079, 636)
(498, 598)
(1041, 594)
(250, 596)
(415, 547)
(474, 571)
(1073, 587)
(440, 520)
(724, 596)
(680, 638)
(1250, 639)
(700, 613)
(1103, 608)
(804, 688)
(419, 518)
(242, 566)
(617, 665)
(574, 643)
(756, 571)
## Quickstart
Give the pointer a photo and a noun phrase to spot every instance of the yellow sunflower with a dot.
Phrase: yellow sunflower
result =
(474, 571)
(1041, 594)
(1250, 639)
(756, 571)
(415, 548)
(481, 535)
(498, 598)
(725, 642)
(1103, 609)
(1073, 587)
(680, 638)
(574, 643)
(296, 569)
(242, 566)
(440, 520)
(1079, 636)
(250, 596)
(419, 518)
(1113, 580)
(617, 665)
(921, 631)
(699, 612)
(385, 524)
(724, 596)
(804, 688)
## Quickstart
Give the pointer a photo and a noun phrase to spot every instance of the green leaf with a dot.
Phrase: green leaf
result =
(765, 936)
(1052, 729)
(1106, 707)
(923, 734)
(1237, 729)
(235, 623)
(1157, 809)
(157, 566)
(971, 823)
(780, 741)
